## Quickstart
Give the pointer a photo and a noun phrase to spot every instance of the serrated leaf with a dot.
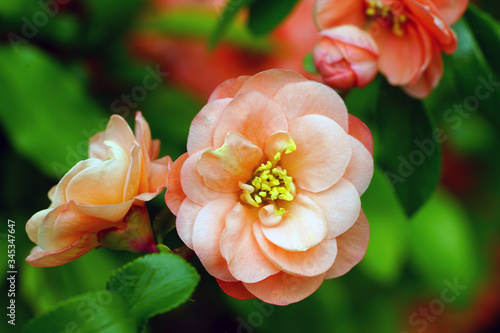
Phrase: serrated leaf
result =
(266, 15)
(154, 284)
(408, 153)
(101, 311)
(226, 18)
(45, 110)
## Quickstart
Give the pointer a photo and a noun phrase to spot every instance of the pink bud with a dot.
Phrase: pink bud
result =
(346, 57)
(137, 236)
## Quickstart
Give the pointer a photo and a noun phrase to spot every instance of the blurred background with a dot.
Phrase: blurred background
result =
(67, 65)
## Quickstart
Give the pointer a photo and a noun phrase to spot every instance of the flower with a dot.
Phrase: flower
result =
(346, 57)
(100, 194)
(410, 34)
(268, 193)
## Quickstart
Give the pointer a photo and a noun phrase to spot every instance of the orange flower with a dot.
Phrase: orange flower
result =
(346, 57)
(98, 194)
(410, 34)
(268, 194)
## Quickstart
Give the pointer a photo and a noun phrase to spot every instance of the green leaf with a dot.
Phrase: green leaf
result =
(154, 284)
(442, 244)
(232, 8)
(45, 110)
(266, 15)
(409, 151)
(101, 311)
(308, 63)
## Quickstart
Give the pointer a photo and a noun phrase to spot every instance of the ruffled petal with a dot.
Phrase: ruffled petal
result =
(305, 225)
(352, 246)
(119, 132)
(323, 152)
(428, 80)
(175, 195)
(59, 195)
(270, 81)
(142, 132)
(309, 97)
(315, 261)
(240, 249)
(361, 132)
(228, 88)
(332, 13)
(340, 205)
(235, 289)
(254, 115)
(34, 222)
(283, 288)
(134, 173)
(194, 187)
(185, 221)
(158, 173)
(451, 10)
(223, 168)
(111, 213)
(201, 132)
(360, 169)
(207, 231)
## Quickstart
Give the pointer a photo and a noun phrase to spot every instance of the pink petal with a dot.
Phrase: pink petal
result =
(240, 249)
(154, 150)
(315, 261)
(133, 178)
(254, 115)
(309, 97)
(34, 222)
(305, 225)
(340, 205)
(194, 187)
(185, 221)
(331, 13)
(111, 213)
(142, 132)
(201, 132)
(352, 246)
(429, 79)
(234, 162)
(175, 195)
(119, 132)
(270, 81)
(235, 289)
(207, 231)
(41, 258)
(283, 289)
(323, 152)
(451, 10)
(360, 169)
(59, 195)
(361, 132)
(158, 173)
(277, 143)
(228, 88)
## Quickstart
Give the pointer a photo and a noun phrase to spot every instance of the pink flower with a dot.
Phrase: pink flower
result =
(410, 34)
(346, 57)
(268, 194)
(98, 194)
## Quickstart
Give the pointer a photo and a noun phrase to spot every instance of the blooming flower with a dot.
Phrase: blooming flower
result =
(268, 194)
(410, 34)
(346, 57)
(100, 194)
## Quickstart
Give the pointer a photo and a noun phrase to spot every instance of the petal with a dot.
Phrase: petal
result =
(100, 184)
(202, 129)
(119, 132)
(238, 246)
(361, 132)
(194, 187)
(360, 169)
(254, 115)
(283, 289)
(133, 178)
(33, 224)
(340, 205)
(97, 148)
(350, 35)
(323, 152)
(305, 225)
(185, 221)
(207, 231)
(429, 79)
(331, 13)
(309, 97)
(158, 173)
(142, 132)
(352, 246)
(59, 196)
(270, 81)
(277, 143)
(315, 261)
(154, 150)
(111, 213)
(235, 289)
(224, 167)
(451, 10)
(228, 88)
(175, 195)
(41, 258)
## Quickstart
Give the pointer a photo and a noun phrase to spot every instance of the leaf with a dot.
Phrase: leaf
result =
(154, 284)
(232, 8)
(100, 311)
(409, 152)
(308, 63)
(45, 111)
(266, 15)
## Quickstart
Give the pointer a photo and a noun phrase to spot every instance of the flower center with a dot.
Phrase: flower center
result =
(375, 10)
(270, 182)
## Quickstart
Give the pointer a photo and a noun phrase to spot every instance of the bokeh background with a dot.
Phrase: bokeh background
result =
(66, 66)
